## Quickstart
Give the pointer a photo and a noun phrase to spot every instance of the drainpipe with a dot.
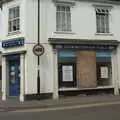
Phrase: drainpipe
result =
(38, 63)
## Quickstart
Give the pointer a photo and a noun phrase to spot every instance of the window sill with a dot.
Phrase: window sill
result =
(105, 34)
(62, 32)
(13, 33)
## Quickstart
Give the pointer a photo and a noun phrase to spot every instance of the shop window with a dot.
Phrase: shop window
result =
(67, 68)
(84, 68)
(104, 69)
(67, 75)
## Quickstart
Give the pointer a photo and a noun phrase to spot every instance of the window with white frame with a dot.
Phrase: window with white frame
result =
(14, 19)
(102, 20)
(63, 18)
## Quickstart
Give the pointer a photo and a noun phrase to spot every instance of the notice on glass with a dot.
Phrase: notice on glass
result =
(104, 72)
(67, 73)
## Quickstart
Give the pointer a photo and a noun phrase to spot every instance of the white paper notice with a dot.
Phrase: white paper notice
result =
(67, 73)
(104, 72)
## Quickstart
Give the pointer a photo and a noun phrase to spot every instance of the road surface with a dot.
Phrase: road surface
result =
(107, 112)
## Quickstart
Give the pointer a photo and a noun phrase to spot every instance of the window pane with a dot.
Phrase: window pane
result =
(14, 25)
(63, 21)
(102, 20)
(17, 24)
(107, 24)
(68, 9)
(11, 13)
(58, 8)
(62, 8)
(67, 55)
(63, 18)
(14, 22)
(102, 23)
(68, 21)
(58, 21)
(10, 26)
(17, 12)
(98, 23)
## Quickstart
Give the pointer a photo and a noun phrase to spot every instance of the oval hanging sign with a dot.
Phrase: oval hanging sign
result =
(38, 50)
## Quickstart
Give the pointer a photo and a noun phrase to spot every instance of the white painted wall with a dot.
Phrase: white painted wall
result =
(83, 27)
(84, 22)
(4, 30)
(46, 67)
(0, 23)
(6, 6)
(0, 48)
(0, 79)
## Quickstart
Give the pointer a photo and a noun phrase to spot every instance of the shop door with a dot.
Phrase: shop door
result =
(14, 77)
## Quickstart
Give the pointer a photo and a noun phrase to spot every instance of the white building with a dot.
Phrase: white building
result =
(81, 46)
(0, 56)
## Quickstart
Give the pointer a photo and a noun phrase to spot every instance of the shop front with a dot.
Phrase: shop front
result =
(84, 68)
(13, 69)
(84, 64)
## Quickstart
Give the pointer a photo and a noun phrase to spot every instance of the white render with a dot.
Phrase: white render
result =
(83, 27)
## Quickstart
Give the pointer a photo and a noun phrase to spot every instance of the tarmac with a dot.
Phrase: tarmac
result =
(13, 105)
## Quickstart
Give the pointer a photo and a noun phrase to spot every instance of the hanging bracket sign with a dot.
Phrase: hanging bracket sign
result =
(38, 50)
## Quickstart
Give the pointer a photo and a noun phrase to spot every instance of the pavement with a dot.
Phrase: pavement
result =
(13, 105)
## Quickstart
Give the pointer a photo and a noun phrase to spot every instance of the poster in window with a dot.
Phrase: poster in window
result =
(104, 72)
(67, 73)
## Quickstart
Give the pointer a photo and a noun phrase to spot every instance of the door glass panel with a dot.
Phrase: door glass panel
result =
(12, 77)
(12, 68)
(12, 74)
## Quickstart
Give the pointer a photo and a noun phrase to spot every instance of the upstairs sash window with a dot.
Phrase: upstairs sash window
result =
(102, 20)
(14, 19)
(63, 18)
